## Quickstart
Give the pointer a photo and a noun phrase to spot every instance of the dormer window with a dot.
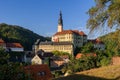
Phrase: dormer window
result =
(42, 73)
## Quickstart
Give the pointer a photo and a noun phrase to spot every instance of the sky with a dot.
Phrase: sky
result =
(41, 16)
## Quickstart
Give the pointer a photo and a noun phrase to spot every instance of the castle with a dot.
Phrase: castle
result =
(63, 40)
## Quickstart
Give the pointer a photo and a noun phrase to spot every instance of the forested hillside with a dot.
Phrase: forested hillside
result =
(13, 33)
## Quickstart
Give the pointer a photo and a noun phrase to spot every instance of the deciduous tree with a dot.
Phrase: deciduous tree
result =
(104, 12)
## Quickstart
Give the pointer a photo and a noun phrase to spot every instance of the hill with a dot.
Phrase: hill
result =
(112, 42)
(113, 35)
(13, 33)
(111, 72)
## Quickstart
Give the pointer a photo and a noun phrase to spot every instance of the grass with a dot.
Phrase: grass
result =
(111, 72)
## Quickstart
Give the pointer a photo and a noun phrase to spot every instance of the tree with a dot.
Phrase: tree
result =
(84, 63)
(13, 33)
(104, 12)
(87, 48)
(103, 58)
(4, 56)
(59, 53)
(10, 70)
(112, 43)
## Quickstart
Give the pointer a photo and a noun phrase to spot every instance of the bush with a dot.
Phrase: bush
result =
(84, 63)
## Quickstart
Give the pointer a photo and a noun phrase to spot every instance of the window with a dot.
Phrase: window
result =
(42, 73)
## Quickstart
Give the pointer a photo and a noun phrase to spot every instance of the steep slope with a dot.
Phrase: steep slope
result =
(13, 33)
(103, 73)
(113, 35)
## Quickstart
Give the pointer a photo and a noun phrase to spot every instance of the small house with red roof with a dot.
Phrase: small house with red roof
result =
(38, 72)
(98, 44)
(16, 47)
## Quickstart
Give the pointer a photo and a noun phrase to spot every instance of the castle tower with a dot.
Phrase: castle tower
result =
(60, 23)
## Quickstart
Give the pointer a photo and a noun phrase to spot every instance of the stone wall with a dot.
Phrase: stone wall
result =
(116, 60)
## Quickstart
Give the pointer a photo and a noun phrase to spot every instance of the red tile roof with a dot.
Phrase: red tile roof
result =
(79, 55)
(36, 70)
(14, 45)
(96, 41)
(82, 33)
(71, 32)
(2, 41)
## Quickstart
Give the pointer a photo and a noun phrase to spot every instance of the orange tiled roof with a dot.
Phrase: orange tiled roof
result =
(79, 55)
(96, 41)
(14, 45)
(82, 33)
(71, 32)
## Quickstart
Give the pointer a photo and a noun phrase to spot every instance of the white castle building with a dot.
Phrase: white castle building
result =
(63, 40)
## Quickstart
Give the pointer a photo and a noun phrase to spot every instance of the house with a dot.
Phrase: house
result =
(48, 58)
(16, 47)
(98, 44)
(41, 57)
(65, 58)
(37, 60)
(39, 72)
(58, 61)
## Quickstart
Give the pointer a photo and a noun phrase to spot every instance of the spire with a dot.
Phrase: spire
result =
(60, 23)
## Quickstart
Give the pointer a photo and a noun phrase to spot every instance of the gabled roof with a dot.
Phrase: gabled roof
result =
(39, 72)
(14, 45)
(45, 54)
(37, 59)
(81, 33)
